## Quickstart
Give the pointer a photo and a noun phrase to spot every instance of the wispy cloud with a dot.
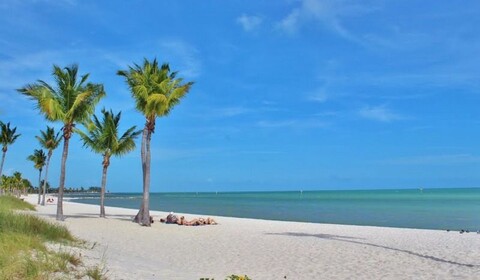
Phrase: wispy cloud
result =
(231, 111)
(276, 124)
(290, 23)
(179, 153)
(17, 4)
(379, 113)
(18, 70)
(327, 13)
(249, 23)
(434, 159)
(186, 55)
(293, 123)
(319, 95)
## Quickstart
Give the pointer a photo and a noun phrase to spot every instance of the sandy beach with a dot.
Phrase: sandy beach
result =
(265, 249)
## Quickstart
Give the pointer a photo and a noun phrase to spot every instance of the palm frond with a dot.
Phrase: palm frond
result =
(38, 158)
(7, 135)
(49, 139)
(102, 135)
(70, 100)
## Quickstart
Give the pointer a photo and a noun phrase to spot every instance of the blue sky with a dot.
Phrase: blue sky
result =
(288, 94)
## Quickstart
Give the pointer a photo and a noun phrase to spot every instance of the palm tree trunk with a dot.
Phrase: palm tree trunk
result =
(146, 193)
(104, 183)
(61, 185)
(44, 187)
(1, 165)
(139, 217)
(39, 184)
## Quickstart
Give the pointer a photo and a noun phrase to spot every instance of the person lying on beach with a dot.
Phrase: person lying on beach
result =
(171, 219)
(197, 222)
(174, 219)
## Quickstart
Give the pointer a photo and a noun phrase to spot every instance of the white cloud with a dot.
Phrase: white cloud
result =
(249, 23)
(379, 113)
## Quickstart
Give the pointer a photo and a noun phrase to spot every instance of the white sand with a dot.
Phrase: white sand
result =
(267, 249)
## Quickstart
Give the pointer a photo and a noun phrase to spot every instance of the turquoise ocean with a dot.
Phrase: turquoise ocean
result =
(452, 209)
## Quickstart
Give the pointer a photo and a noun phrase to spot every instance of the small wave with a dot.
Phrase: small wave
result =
(98, 197)
(83, 197)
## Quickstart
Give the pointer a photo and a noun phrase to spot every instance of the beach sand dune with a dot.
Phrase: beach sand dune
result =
(266, 249)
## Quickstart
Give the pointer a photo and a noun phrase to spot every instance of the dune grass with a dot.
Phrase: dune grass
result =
(8, 202)
(23, 250)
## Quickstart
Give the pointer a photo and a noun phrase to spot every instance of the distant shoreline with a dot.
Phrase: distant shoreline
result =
(292, 191)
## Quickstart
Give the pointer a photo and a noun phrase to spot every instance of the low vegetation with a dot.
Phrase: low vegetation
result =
(24, 253)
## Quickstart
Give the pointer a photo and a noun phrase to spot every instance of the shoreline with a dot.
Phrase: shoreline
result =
(384, 209)
(265, 249)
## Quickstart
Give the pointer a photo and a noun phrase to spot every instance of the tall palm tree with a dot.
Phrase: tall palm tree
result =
(7, 137)
(70, 101)
(156, 91)
(39, 159)
(102, 136)
(49, 140)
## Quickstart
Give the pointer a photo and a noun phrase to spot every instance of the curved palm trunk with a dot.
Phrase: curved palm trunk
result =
(139, 217)
(61, 185)
(44, 187)
(3, 160)
(106, 163)
(39, 185)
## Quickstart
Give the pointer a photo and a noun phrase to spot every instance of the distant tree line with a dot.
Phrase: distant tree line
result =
(17, 185)
(76, 190)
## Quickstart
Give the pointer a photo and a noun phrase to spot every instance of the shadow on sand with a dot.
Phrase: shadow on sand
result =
(350, 239)
(90, 216)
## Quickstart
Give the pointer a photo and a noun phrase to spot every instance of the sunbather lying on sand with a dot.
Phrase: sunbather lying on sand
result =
(174, 219)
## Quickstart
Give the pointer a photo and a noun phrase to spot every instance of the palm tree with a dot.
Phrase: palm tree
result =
(26, 185)
(156, 91)
(17, 182)
(5, 184)
(103, 137)
(50, 141)
(7, 137)
(70, 101)
(38, 158)
(46, 184)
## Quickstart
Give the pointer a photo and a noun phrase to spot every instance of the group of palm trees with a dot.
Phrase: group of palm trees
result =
(71, 101)
(15, 184)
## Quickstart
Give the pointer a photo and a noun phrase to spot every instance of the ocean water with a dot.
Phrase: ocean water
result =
(452, 209)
